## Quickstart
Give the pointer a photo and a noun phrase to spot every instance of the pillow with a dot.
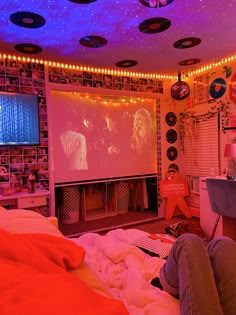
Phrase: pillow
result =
(155, 244)
(2, 208)
(26, 221)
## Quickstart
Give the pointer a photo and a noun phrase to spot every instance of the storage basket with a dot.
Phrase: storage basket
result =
(69, 212)
(122, 197)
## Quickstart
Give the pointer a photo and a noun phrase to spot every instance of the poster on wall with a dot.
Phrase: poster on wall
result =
(201, 89)
(217, 88)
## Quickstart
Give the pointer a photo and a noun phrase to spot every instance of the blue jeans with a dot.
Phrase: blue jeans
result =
(203, 277)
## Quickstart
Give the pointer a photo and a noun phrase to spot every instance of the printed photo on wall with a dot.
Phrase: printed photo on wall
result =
(201, 89)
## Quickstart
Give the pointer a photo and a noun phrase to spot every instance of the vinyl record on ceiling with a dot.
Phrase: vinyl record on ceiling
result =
(155, 3)
(27, 19)
(126, 63)
(172, 153)
(171, 119)
(83, 1)
(187, 42)
(189, 62)
(217, 88)
(28, 48)
(154, 25)
(93, 41)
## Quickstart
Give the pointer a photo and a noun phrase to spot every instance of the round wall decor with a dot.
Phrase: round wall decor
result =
(172, 153)
(217, 88)
(171, 136)
(171, 119)
(180, 89)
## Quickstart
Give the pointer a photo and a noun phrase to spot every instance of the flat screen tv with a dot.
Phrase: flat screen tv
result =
(19, 119)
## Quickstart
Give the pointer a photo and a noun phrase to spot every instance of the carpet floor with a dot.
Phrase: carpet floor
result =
(147, 221)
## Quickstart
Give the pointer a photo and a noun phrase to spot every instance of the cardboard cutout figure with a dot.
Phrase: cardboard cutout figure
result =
(174, 190)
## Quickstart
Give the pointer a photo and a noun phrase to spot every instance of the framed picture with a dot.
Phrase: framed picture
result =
(201, 89)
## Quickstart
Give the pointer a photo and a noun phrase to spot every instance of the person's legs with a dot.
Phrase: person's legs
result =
(188, 273)
(222, 253)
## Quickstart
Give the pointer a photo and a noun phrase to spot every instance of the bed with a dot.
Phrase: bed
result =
(44, 272)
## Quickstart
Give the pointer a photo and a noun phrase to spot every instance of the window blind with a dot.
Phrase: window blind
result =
(201, 146)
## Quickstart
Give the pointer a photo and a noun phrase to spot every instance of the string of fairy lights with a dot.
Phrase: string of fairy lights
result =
(114, 101)
(185, 75)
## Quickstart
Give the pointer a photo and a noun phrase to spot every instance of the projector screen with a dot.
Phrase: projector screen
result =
(98, 137)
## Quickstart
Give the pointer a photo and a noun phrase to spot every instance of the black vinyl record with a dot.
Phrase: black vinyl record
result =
(172, 153)
(171, 136)
(189, 62)
(217, 88)
(187, 42)
(171, 119)
(154, 25)
(27, 19)
(93, 41)
(83, 1)
(28, 48)
(126, 63)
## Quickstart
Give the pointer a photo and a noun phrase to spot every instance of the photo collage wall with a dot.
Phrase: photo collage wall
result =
(104, 81)
(15, 161)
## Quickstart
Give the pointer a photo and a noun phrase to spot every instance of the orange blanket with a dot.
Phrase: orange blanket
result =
(34, 278)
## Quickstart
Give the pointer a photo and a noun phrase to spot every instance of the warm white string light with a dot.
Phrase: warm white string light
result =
(93, 69)
(168, 77)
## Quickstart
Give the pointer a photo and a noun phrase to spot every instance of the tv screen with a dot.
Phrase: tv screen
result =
(96, 137)
(19, 119)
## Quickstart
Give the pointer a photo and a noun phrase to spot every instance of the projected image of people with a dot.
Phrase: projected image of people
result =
(143, 137)
(116, 138)
(91, 128)
(100, 138)
(74, 147)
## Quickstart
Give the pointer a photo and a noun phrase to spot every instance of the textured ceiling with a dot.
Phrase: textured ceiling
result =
(118, 22)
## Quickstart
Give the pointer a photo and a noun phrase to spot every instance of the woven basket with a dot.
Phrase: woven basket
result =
(69, 212)
(122, 197)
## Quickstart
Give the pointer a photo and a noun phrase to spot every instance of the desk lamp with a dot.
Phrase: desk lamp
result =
(230, 153)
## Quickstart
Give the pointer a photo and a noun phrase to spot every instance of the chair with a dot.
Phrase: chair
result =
(222, 196)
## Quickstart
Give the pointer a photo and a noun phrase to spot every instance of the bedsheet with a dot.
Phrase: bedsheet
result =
(127, 271)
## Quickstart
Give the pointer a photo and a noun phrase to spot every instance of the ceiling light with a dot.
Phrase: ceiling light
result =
(155, 3)
(152, 3)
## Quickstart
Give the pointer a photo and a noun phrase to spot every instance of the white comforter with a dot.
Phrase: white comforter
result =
(127, 271)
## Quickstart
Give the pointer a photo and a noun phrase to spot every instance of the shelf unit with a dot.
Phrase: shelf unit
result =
(99, 200)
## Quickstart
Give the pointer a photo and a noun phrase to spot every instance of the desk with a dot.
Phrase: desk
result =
(24, 200)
